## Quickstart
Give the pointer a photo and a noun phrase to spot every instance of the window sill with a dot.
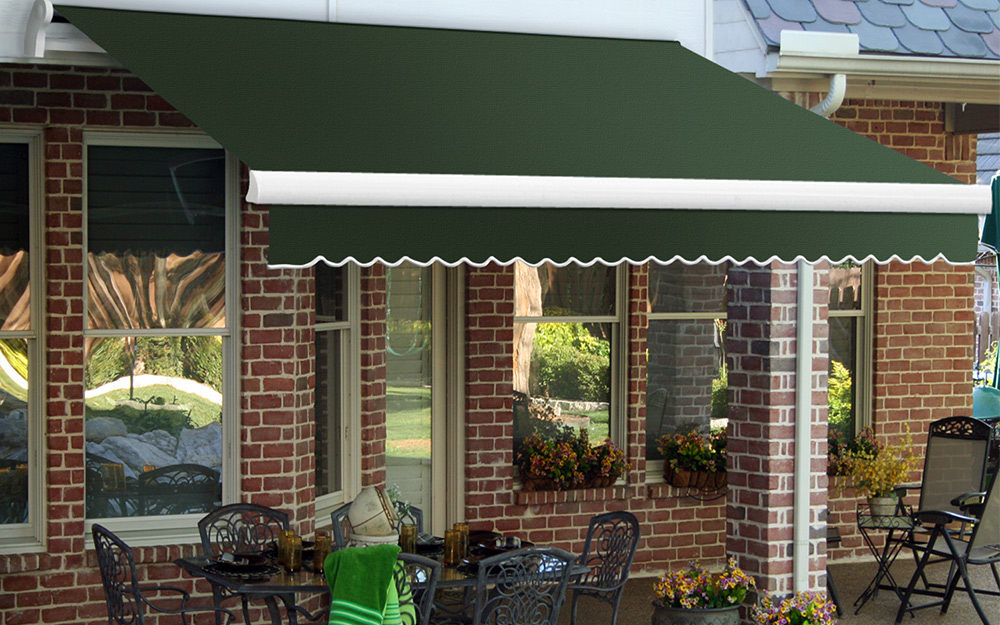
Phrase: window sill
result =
(539, 497)
(662, 490)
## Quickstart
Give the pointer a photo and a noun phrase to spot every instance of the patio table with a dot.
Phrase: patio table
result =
(285, 584)
(891, 524)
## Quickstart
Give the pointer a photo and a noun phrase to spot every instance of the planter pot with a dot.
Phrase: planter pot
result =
(882, 506)
(688, 616)
(702, 480)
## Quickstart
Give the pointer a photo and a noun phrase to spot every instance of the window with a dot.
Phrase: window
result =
(851, 321)
(21, 399)
(337, 442)
(686, 384)
(159, 353)
(567, 349)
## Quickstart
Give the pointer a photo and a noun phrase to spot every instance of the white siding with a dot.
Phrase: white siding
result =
(738, 45)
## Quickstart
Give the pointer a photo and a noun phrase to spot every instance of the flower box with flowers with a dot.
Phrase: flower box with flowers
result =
(569, 461)
(695, 596)
(694, 461)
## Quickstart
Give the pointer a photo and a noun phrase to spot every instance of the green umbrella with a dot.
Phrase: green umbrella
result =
(991, 239)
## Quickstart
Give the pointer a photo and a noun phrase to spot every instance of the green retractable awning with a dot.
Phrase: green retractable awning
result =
(304, 96)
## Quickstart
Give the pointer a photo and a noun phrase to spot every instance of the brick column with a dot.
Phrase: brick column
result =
(373, 313)
(762, 381)
(277, 427)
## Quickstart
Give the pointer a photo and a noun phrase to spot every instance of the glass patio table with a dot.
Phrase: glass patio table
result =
(285, 584)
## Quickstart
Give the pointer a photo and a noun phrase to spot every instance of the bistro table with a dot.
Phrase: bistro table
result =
(285, 584)
(884, 557)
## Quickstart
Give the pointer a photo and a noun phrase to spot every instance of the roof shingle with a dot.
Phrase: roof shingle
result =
(950, 28)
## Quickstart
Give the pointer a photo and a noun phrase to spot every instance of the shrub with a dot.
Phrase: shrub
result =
(840, 398)
(203, 360)
(720, 394)
(568, 362)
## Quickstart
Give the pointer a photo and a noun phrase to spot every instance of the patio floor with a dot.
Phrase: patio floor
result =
(851, 579)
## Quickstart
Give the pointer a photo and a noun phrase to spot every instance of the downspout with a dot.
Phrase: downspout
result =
(803, 427)
(835, 97)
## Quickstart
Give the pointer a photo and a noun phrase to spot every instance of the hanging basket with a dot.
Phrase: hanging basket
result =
(537, 482)
(700, 480)
(601, 481)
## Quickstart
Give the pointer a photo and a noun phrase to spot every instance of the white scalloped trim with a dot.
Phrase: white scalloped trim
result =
(649, 259)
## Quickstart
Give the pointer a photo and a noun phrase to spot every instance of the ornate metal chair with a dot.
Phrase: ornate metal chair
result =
(342, 526)
(609, 549)
(179, 489)
(522, 587)
(242, 527)
(982, 548)
(416, 568)
(126, 599)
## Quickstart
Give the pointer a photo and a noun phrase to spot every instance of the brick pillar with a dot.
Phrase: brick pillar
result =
(277, 433)
(489, 385)
(373, 313)
(762, 381)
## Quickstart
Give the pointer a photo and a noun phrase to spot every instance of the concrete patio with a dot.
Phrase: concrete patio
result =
(851, 579)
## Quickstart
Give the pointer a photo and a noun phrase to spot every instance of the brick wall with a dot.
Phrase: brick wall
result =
(676, 529)
(62, 585)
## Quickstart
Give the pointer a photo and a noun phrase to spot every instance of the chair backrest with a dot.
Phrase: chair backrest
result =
(179, 489)
(121, 588)
(987, 531)
(609, 549)
(240, 527)
(416, 569)
(955, 461)
(522, 587)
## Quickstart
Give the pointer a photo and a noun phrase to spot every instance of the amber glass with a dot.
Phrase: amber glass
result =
(321, 551)
(283, 540)
(463, 530)
(294, 562)
(452, 547)
(408, 538)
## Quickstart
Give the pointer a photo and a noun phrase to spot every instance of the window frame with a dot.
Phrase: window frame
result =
(617, 409)
(350, 399)
(654, 466)
(30, 537)
(863, 347)
(182, 528)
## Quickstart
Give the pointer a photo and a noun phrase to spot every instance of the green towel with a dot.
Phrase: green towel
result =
(359, 580)
(399, 604)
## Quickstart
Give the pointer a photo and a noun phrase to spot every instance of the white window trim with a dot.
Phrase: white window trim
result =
(654, 467)
(350, 400)
(30, 537)
(183, 529)
(863, 347)
(618, 408)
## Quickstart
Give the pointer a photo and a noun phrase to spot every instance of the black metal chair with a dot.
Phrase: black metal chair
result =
(522, 587)
(126, 599)
(981, 548)
(416, 568)
(239, 528)
(610, 547)
(342, 526)
(179, 489)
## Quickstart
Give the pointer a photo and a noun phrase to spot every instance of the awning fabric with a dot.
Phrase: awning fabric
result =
(304, 96)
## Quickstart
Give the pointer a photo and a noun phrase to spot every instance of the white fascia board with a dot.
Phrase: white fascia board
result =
(629, 19)
(373, 189)
(959, 80)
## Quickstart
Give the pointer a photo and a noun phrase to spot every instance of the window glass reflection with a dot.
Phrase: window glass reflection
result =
(13, 431)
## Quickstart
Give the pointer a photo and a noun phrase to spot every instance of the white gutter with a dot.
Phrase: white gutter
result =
(627, 19)
(803, 427)
(369, 189)
(833, 99)
(805, 58)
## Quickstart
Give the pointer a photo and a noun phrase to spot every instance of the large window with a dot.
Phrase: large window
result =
(567, 346)
(686, 385)
(337, 446)
(158, 347)
(21, 498)
(851, 319)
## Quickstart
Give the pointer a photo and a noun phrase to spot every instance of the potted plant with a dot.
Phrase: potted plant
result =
(693, 460)
(693, 596)
(568, 461)
(805, 608)
(840, 449)
(876, 471)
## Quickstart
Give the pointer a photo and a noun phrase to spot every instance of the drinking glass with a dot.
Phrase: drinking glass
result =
(321, 551)
(452, 547)
(408, 538)
(463, 529)
(283, 540)
(294, 562)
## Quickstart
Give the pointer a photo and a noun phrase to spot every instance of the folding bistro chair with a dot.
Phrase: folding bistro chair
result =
(608, 551)
(954, 469)
(981, 548)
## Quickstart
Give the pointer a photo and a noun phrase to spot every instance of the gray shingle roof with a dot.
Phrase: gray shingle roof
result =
(950, 28)
(987, 157)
